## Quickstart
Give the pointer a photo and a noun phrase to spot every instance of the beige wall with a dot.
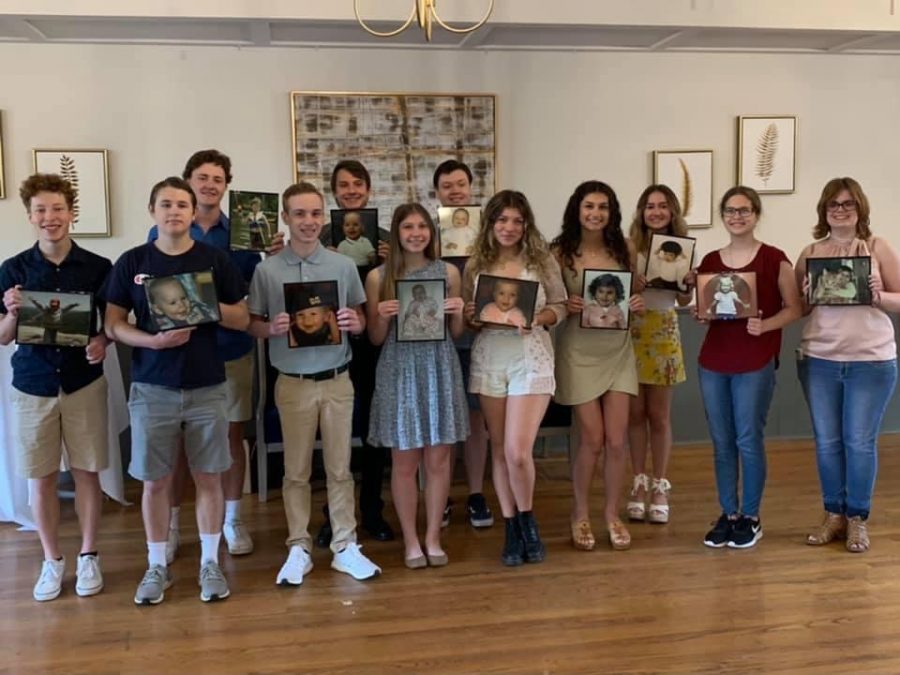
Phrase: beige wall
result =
(563, 118)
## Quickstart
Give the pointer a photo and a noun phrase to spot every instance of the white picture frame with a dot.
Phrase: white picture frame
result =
(767, 153)
(88, 171)
(689, 174)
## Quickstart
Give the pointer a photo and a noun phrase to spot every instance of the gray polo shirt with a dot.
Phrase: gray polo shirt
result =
(267, 299)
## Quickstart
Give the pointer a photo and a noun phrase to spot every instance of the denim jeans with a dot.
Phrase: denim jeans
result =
(847, 400)
(737, 405)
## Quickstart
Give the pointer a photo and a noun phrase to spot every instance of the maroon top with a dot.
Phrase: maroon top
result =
(728, 347)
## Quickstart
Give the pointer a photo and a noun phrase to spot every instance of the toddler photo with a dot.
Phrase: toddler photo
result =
(421, 317)
(839, 281)
(54, 318)
(459, 226)
(669, 261)
(182, 300)
(312, 307)
(726, 296)
(355, 234)
(606, 294)
(253, 220)
(505, 302)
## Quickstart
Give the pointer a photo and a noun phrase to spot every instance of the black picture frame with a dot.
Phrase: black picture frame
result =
(744, 286)
(55, 318)
(654, 268)
(368, 220)
(252, 228)
(199, 288)
(453, 246)
(854, 269)
(612, 317)
(320, 329)
(525, 301)
(418, 327)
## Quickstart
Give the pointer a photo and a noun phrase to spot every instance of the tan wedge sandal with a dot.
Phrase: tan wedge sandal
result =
(637, 510)
(659, 513)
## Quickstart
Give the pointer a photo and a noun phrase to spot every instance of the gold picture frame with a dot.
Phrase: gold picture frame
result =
(767, 153)
(2, 166)
(689, 174)
(400, 137)
(88, 171)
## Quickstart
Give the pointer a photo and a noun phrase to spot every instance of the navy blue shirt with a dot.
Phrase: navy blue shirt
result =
(197, 363)
(42, 370)
(233, 344)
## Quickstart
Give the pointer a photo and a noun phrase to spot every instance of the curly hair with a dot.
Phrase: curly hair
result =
(568, 241)
(607, 281)
(395, 265)
(639, 233)
(46, 182)
(831, 190)
(210, 156)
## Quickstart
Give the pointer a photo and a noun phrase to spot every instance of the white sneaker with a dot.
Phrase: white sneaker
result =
(237, 538)
(351, 561)
(297, 565)
(172, 541)
(49, 584)
(89, 579)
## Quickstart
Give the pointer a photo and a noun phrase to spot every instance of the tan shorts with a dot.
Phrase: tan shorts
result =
(239, 388)
(43, 423)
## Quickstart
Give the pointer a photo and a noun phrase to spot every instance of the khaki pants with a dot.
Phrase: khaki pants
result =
(304, 406)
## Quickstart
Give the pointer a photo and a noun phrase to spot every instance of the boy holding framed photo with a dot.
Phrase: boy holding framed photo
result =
(59, 393)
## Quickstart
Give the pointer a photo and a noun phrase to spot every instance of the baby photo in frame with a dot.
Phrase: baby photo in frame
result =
(505, 302)
(421, 315)
(606, 294)
(726, 296)
(354, 233)
(312, 306)
(182, 300)
(254, 220)
(54, 318)
(459, 227)
(839, 281)
(669, 259)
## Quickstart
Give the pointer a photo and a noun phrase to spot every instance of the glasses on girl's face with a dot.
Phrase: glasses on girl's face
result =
(848, 205)
(731, 212)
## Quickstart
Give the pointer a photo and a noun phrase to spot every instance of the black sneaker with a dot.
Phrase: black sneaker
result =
(448, 510)
(745, 533)
(478, 511)
(719, 536)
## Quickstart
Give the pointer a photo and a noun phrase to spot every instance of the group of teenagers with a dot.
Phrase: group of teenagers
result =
(190, 395)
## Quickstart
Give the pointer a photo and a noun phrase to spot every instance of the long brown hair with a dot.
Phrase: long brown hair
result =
(395, 265)
(831, 190)
(568, 241)
(640, 233)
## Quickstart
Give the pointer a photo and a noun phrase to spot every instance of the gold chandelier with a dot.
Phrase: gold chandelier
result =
(426, 13)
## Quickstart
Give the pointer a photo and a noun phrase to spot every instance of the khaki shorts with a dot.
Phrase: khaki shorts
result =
(239, 388)
(43, 423)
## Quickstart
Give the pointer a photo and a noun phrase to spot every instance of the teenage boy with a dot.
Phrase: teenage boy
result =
(59, 393)
(351, 186)
(178, 389)
(208, 172)
(313, 390)
(453, 186)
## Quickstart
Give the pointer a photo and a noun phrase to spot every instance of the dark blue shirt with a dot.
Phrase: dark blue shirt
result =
(42, 370)
(197, 363)
(232, 344)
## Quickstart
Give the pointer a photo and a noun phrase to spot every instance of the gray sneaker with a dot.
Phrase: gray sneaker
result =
(212, 583)
(152, 588)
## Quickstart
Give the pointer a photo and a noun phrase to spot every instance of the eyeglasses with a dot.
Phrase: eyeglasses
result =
(743, 212)
(849, 205)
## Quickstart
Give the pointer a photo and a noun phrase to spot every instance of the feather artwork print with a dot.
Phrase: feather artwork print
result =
(687, 191)
(69, 171)
(766, 149)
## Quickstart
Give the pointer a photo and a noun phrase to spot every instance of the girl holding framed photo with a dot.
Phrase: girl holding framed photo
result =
(595, 369)
(847, 364)
(737, 368)
(512, 369)
(419, 407)
(660, 362)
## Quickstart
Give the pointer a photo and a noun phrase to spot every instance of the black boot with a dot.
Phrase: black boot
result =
(534, 547)
(513, 548)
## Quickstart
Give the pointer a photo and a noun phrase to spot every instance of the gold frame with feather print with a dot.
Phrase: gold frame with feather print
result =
(88, 171)
(689, 173)
(767, 153)
(2, 167)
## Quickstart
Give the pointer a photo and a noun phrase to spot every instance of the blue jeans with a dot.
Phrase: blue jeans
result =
(847, 400)
(737, 405)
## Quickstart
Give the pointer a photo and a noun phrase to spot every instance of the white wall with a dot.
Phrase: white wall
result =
(562, 118)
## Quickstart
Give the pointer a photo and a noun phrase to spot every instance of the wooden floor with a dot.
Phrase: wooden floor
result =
(667, 605)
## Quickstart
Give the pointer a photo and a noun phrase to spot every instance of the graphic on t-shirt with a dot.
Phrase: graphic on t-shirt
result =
(182, 300)
(605, 295)
(312, 307)
(54, 318)
(668, 261)
(505, 301)
(354, 233)
(421, 316)
(254, 220)
(726, 295)
(459, 227)
(839, 281)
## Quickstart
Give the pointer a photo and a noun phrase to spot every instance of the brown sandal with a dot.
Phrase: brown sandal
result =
(834, 526)
(857, 535)
(619, 537)
(582, 537)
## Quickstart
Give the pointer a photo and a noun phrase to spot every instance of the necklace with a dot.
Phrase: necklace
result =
(732, 256)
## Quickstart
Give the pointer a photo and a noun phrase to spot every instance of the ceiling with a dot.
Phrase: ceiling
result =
(494, 36)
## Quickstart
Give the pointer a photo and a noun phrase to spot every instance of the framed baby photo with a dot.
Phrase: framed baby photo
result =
(459, 227)
(669, 259)
(421, 315)
(182, 300)
(254, 220)
(54, 318)
(606, 294)
(354, 233)
(839, 281)
(505, 302)
(726, 296)
(312, 306)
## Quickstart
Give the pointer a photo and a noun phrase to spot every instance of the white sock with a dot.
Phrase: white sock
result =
(156, 553)
(232, 510)
(209, 548)
(174, 515)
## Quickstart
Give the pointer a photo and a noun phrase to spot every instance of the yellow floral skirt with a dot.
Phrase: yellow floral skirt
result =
(657, 347)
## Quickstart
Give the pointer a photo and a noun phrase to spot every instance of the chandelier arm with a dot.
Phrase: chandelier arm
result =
(475, 27)
(389, 33)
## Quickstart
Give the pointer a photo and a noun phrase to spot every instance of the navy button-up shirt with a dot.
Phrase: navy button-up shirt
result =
(42, 370)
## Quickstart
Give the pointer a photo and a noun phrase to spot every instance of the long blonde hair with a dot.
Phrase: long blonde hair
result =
(640, 233)
(395, 265)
